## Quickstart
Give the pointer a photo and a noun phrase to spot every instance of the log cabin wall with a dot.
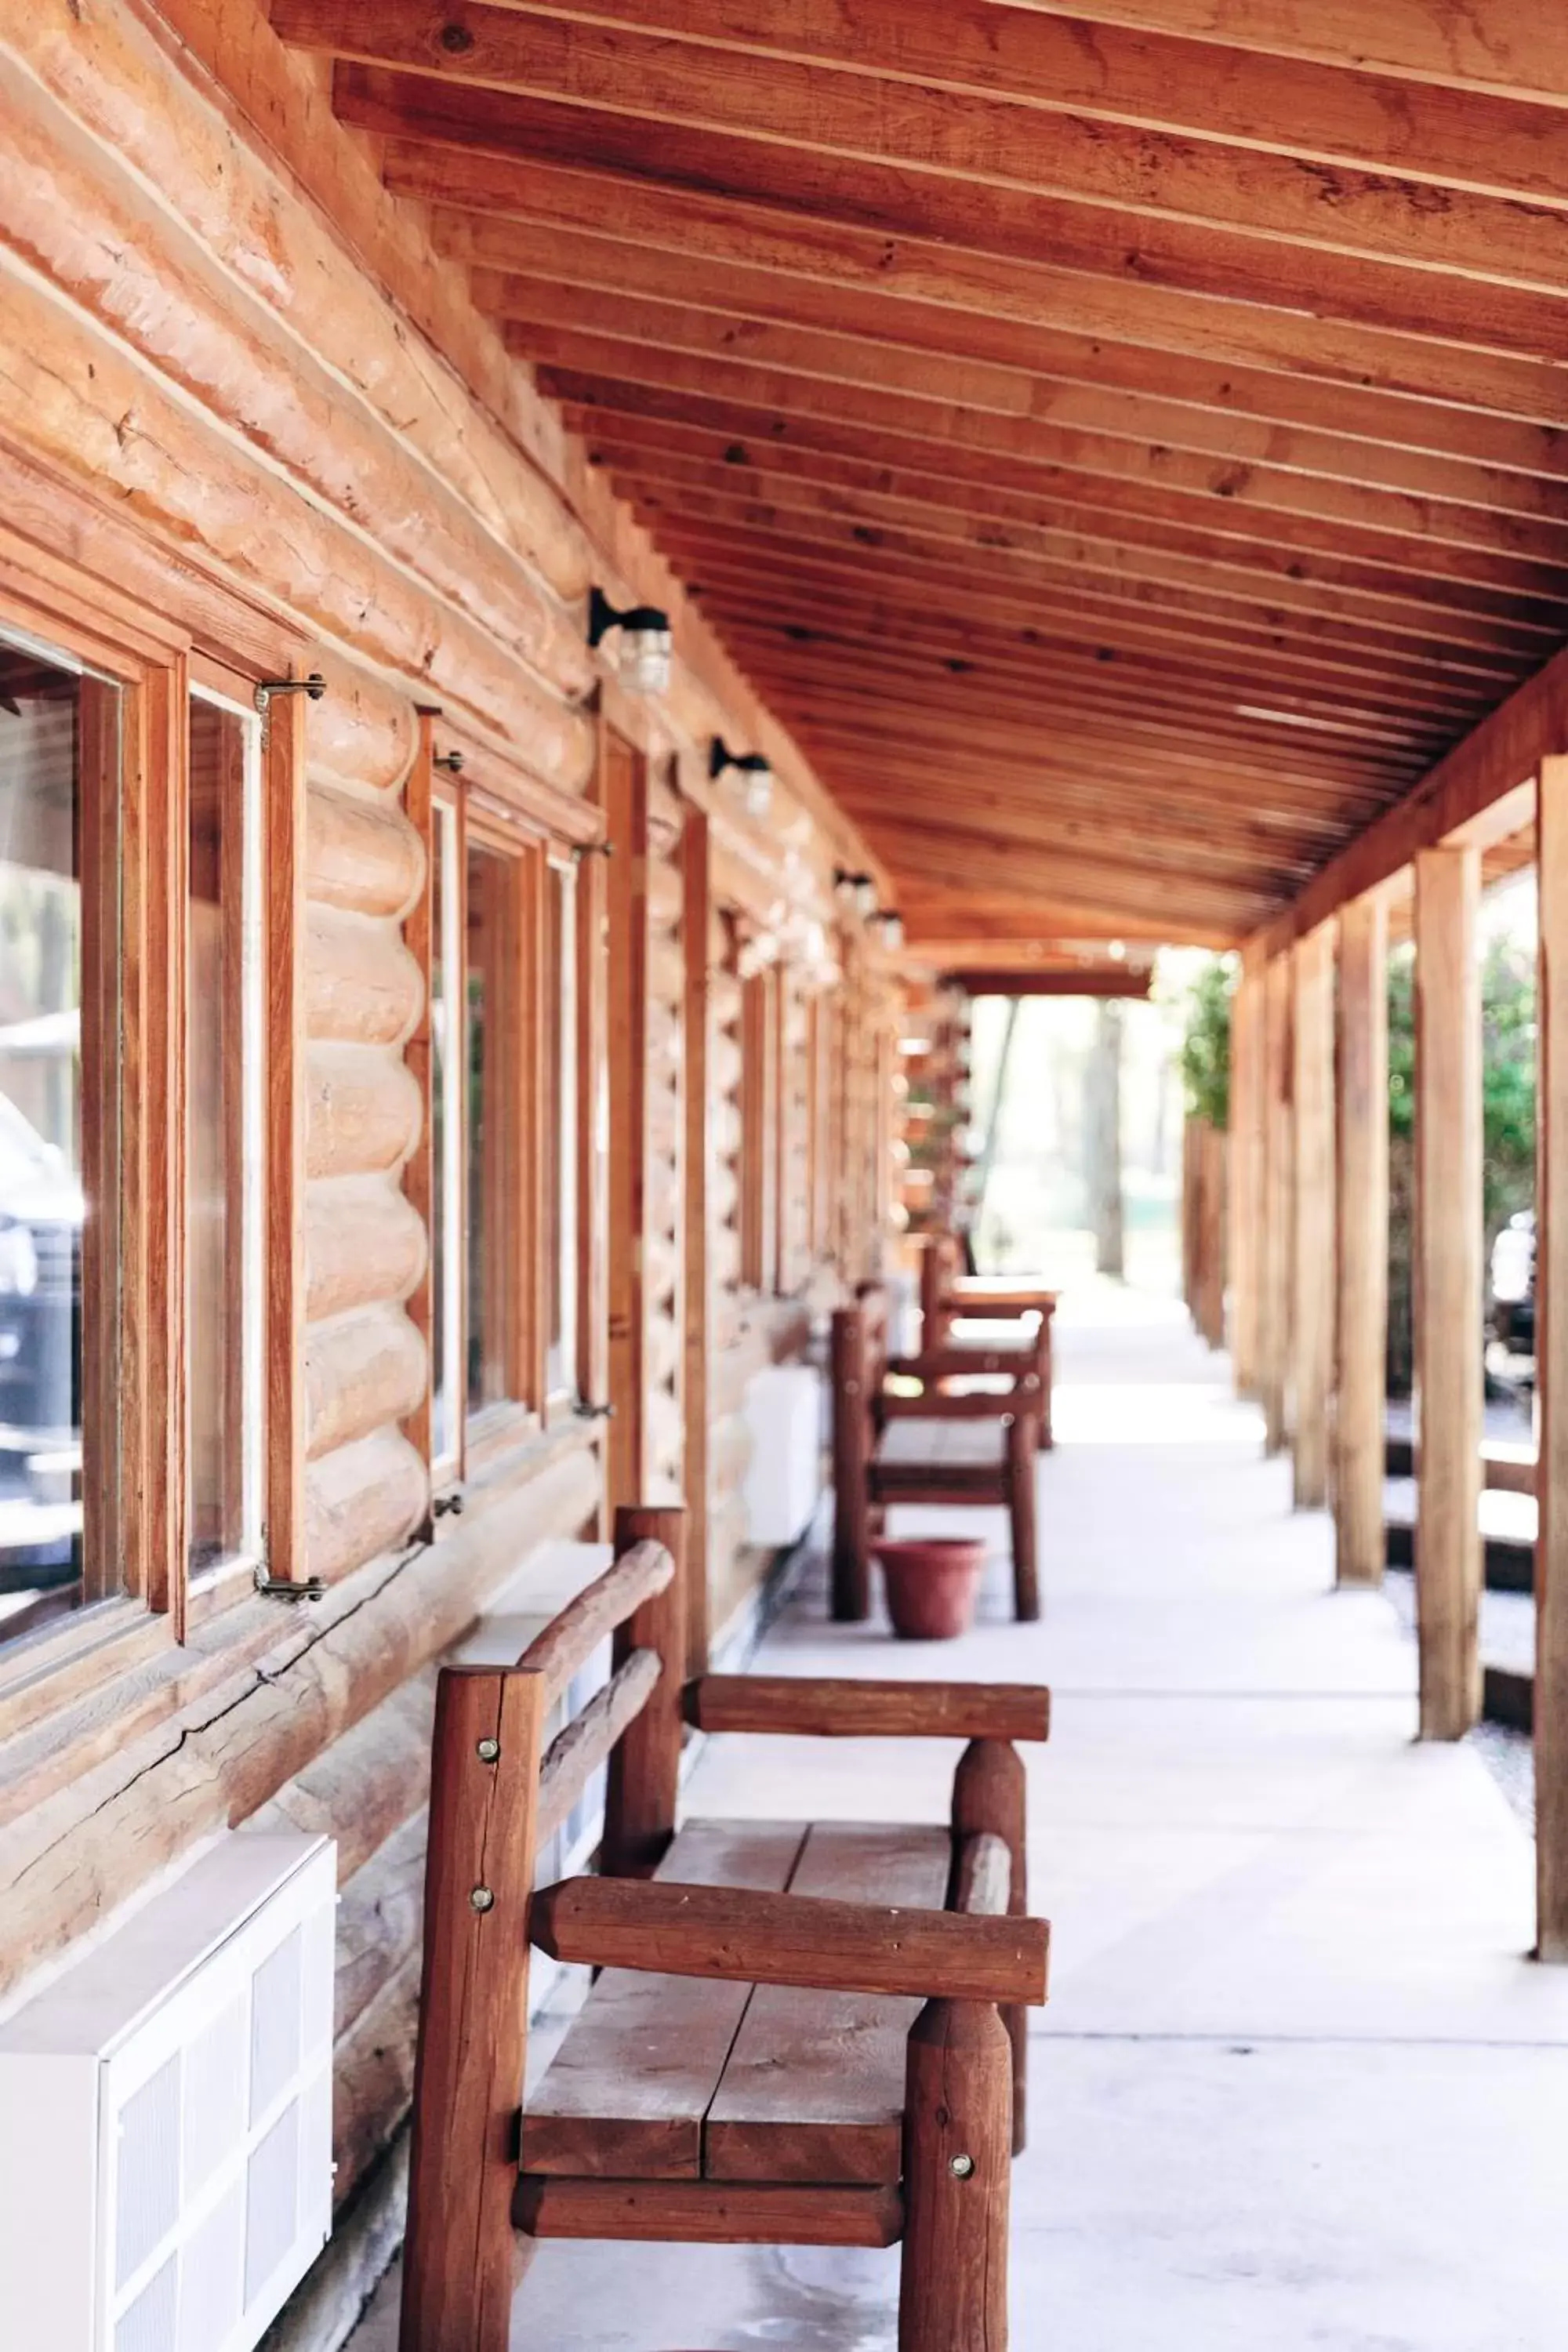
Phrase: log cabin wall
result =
(296, 445)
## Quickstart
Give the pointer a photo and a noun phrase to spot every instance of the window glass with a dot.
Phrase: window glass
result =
(446, 1136)
(224, 1320)
(494, 1186)
(59, 1092)
(561, 1128)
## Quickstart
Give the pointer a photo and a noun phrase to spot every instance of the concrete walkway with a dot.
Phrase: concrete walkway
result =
(1297, 2090)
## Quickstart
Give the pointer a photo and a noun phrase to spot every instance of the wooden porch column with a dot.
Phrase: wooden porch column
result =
(1279, 1223)
(1312, 1331)
(1363, 1256)
(1552, 1375)
(1246, 1171)
(1448, 1288)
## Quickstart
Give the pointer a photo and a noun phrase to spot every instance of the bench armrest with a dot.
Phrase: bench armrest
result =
(813, 1708)
(1016, 1362)
(737, 1936)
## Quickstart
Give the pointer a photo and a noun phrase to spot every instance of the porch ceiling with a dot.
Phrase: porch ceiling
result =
(1125, 462)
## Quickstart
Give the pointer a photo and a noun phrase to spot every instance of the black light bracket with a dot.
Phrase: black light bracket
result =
(451, 760)
(746, 764)
(603, 616)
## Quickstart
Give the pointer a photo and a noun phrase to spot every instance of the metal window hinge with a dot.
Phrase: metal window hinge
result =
(448, 1506)
(586, 1410)
(593, 849)
(285, 1587)
(315, 686)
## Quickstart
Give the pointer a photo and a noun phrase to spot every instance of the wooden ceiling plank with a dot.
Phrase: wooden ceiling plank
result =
(1409, 635)
(1424, 304)
(1499, 409)
(708, 565)
(1295, 558)
(1352, 646)
(1087, 401)
(1504, 46)
(977, 140)
(1469, 542)
(966, 661)
(1147, 710)
(1250, 98)
(1065, 703)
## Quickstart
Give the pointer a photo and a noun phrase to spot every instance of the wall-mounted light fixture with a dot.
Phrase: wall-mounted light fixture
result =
(892, 931)
(856, 891)
(752, 768)
(641, 653)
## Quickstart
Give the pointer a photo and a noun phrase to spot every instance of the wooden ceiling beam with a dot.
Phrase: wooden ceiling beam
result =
(1342, 645)
(724, 572)
(1425, 303)
(605, 231)
(1061, 747)
(1498, 550)
(1097, 544)
(1479, 404)
(1157, 710)
(955, 859)
(1155, 535)
(1284, 105)
(1022, 802)
(1068, 704)
(1087, 401)
(977, 143)
(1296, 546)
(933, 916)
(1503, 45)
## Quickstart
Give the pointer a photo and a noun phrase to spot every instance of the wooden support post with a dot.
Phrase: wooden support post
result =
(1362, 1259)
(645, 1769)
(958, 2142)
(1551, 1377)
(990, 1792)
(1023, 1446)
(1313, 1319)
(1278, 1223)
(696, 901)
(1245, 1203)
(461, 2256)
(1447, 1287)
(851, 1427)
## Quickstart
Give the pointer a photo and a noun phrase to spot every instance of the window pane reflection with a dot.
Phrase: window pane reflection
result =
(60, 890)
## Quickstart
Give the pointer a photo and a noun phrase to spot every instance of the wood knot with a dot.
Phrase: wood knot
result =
(456, 40)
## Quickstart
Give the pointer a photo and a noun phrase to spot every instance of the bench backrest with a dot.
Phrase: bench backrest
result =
(497, 1794)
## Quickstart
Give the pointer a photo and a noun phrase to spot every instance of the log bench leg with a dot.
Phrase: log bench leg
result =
(990, 1792)
(1021, 1510)
(958, 2131)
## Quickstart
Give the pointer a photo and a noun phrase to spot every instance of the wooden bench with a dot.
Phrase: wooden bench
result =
(803, 2034)
(932, 1446)
(949, 1296)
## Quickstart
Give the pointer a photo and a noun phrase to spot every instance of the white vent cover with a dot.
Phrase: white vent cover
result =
(784, 1476)
(166, 2114)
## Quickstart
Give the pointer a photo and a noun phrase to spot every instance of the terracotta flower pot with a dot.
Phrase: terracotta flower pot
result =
(931, 1585)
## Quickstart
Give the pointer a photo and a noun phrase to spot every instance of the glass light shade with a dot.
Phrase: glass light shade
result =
(643, 660)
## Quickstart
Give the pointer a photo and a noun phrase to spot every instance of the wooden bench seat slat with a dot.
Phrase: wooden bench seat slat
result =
(626, 2095)
(709, 2213)
(814, 2090)
(914, 1443)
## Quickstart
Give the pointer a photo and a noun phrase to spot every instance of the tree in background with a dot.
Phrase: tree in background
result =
(1206, 1043)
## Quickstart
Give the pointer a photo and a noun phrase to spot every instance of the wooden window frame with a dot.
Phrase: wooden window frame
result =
(484, 816)
(153, 631)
